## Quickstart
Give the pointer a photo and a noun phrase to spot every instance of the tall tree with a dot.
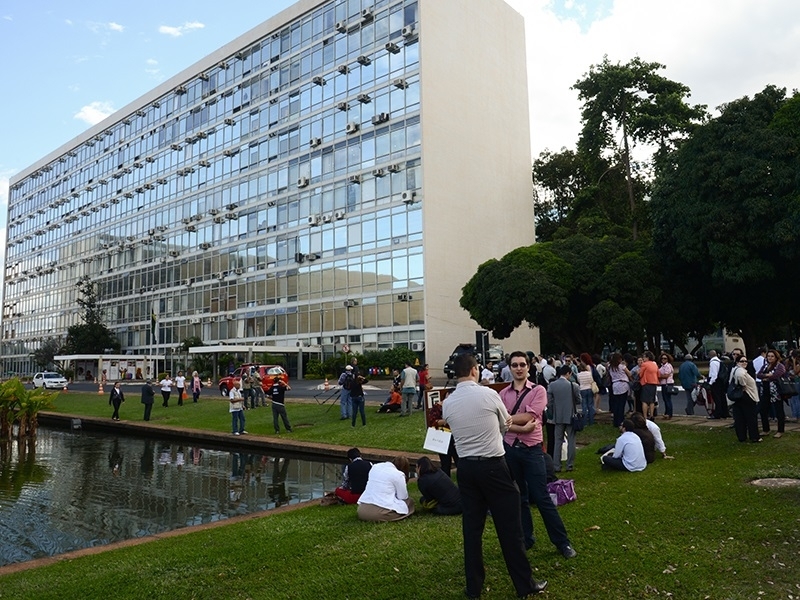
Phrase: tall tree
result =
(727, 214)
(630, 104)
(92, 336)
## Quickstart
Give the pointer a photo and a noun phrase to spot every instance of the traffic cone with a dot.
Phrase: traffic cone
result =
(100, 390)
(327, 385)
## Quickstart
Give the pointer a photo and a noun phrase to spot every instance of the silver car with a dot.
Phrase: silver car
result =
(49, 380)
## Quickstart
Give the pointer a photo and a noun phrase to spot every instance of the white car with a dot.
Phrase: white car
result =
(50, 381)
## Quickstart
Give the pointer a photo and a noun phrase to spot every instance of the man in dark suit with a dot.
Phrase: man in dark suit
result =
(148, 396)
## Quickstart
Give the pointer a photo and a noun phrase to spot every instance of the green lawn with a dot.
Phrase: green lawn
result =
(690, 528)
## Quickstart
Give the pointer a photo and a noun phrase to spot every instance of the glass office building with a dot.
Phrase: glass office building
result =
(333, 176)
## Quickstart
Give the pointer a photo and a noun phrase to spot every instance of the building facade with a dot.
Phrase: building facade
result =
(334, 176)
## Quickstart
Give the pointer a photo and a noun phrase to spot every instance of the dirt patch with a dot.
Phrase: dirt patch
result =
(776, 482)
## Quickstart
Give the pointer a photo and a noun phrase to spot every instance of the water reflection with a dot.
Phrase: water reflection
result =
(76, 490)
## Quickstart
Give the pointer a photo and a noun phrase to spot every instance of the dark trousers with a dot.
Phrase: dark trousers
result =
(689, 400)
(180, 396)
(116, 402)
(357, 403)
(745, 419)
(529, 471)
(764, 408)
(720, 400)
(613, 464)
(487, 485)
(279, 410)
(165, 395)
(449, 460)
(617, 405)
(550, 430)
(147, 409)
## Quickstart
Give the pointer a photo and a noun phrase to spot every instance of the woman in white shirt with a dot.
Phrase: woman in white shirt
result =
(166, 388)
(386, 496)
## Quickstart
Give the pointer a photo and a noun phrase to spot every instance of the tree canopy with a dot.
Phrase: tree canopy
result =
(92, 336)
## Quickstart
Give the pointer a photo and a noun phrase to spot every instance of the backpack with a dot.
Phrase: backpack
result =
(348, 381)
(722, 375)
(735, 391)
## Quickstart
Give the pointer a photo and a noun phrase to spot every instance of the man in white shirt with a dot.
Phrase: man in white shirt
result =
(628, 452)
(410, 379)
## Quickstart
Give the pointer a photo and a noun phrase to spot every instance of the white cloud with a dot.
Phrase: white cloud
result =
(8, 17)
(721, 49)
(94, 113)
(68, 21)
(116, 27)
(153, 71)
(181, 29)
(102, 28)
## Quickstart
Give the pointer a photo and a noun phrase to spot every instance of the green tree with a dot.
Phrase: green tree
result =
(92, 336)
(46, 352)
(727, 215)
(629, 104)
(581, 292)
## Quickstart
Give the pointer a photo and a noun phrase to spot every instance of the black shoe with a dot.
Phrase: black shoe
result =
(568, 552)
(538, 588)
(471, 596)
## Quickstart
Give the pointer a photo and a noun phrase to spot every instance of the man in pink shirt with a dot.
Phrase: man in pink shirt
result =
(526, 403)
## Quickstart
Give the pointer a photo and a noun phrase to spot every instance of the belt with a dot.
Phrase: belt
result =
(479, 457)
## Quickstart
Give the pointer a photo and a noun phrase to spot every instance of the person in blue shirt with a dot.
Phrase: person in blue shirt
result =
(689, 376)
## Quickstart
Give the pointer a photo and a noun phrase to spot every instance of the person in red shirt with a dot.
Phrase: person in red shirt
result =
(424, 382)
(648, 377)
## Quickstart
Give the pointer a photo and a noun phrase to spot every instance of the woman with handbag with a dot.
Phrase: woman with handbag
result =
(665, 372)
(770, 375)
(620, 387)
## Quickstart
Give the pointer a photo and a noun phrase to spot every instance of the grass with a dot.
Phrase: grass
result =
(689, 528)
(310, 421)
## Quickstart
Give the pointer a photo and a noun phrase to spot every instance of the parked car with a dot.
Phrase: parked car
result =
(49, 380)
(266, 372)
(458, 350)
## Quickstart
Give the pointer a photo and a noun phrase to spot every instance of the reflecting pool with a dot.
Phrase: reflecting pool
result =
(74, 490)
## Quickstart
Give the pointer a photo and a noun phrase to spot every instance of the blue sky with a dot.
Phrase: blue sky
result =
(69, 63)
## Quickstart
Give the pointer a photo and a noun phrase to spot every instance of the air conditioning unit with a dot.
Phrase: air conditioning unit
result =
(404, 297)
(313, 220)
(364, 60)
(186, 220)
(191, 228)
(409, 31)
(366, 14)
(239, 271)
(174, 253)
(417, 346)
(195, 320)
(231, 216)
(161, 181)
(140, 113)
(343, 69)
(378, 172)
(203, 77)
(204, 163)
(354, 179)
(213, 211)
(302, 182)
(339, 215)
(151, 232)
(326, 218)
(400, 83)
(149, 186)
(349, 303)
(180, 90)
(352, 127)
(408, 196)
(392, 47)
(395, 168)
(201, 135)
(312, 257)
(380, 118)
(159, 238)
(230, 317)
(180, 172)
(232, 206)
(175, 146)
(163, 227)
(341, 26)
(318, 80)
(229, 121)
(343, 106)
(299, 257)
(231, 152)
(219, 219)
(315, 142)
(205, 246)
(364, 98)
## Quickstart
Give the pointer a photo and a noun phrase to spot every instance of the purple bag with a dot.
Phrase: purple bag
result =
(562, 491)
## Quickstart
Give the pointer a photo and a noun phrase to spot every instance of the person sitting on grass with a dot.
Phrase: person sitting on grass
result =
(386, 497)
(439, 494)
(392, 404)
(354, 478)
(658, 441)
(648, 439)
(628, 453)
